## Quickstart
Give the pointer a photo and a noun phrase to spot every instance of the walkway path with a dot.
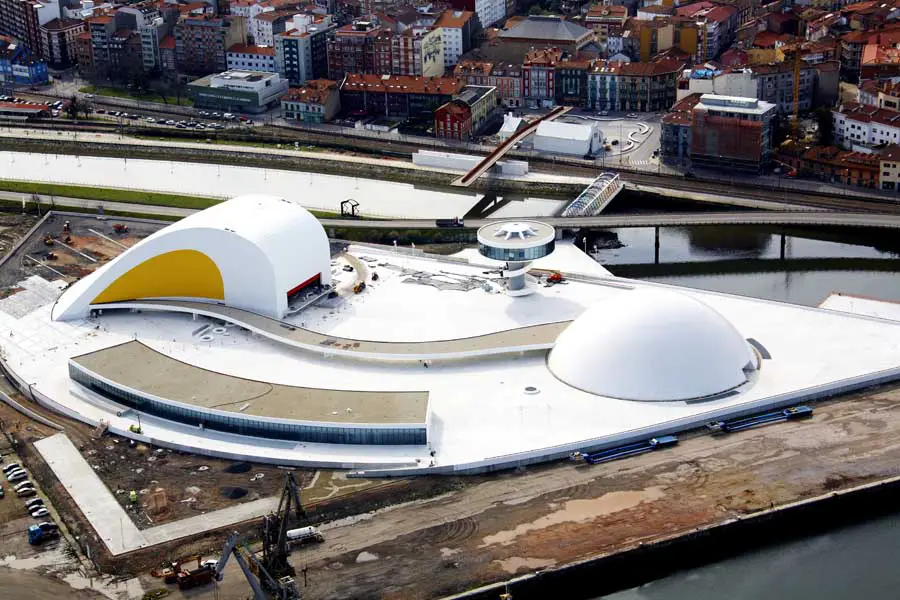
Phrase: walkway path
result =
(109, 519)
(523, 339)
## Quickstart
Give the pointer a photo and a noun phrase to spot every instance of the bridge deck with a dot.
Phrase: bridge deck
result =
(491, 159)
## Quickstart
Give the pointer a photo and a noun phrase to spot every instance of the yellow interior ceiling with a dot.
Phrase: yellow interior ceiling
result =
(180, 273)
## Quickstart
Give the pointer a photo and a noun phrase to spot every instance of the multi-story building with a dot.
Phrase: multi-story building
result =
(880, 93)
(604, 80)
(201, 43)
(20, 66)
(489, 12)
(649, 86)
(856, 125)
(506, 77)
(889, 168)
(22, 19)
(151, 25)
(721, 132)
(101, 28)
(546, 32)
(453, 121)
(571, 81)
(84, 54)
(418, 51)
(819, 84)
(58, 41)
(351, 49)
(249, 9)
(126, 61)
(238, 91)
(397, 96)
(482, 101)
(879, 62)
(317, 101)
(266, 25)
(456, 27)
(242, 57)
(720, 24)
(831, 164)
(539, 77)
(301, 52)
(643, 40)
(606, 22)
(167, 61)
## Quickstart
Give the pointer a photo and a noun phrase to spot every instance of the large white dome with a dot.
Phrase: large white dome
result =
(651, 344)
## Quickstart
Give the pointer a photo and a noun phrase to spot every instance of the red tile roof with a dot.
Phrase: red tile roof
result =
(258, 50)
(402, 84)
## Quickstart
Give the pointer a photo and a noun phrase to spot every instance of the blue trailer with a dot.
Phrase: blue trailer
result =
(786, 414)
(633, 449)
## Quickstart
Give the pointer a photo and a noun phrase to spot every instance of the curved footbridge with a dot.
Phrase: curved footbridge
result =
(512, 341)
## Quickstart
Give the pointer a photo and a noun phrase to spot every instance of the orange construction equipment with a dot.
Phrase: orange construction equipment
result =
(555, 277)
(359, 287)
(120, 228)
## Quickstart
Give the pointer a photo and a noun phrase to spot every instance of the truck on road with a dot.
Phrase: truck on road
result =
(633, 449)
(454, 222)
(786, 414)
(303, 535)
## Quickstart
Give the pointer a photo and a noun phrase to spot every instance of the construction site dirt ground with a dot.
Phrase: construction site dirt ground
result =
(93, 241)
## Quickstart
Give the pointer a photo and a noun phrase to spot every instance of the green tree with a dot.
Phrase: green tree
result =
(825, 121)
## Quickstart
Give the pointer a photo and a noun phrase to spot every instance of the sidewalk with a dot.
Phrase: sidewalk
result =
(110, 521)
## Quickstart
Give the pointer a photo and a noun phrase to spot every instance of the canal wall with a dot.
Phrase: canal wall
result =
(323, 164)
(644, 562)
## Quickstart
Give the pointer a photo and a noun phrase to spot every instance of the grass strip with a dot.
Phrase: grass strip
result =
(119, 195)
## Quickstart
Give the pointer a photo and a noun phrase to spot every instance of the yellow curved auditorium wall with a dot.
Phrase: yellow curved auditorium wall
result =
(180, 273)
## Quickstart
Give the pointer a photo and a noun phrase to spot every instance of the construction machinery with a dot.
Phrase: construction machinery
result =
(120, 228)
(276, 544)
(48, 240)
(359, 287)
(263, 584)
(555, 277)
(795, 125)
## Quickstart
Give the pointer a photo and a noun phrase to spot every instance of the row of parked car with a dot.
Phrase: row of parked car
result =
(24, 488)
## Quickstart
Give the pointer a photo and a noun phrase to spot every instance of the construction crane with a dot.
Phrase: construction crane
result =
(795, 126)
(276, 545)
(260, 580)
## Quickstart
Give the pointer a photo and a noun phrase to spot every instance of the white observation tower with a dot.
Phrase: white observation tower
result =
(517, 243)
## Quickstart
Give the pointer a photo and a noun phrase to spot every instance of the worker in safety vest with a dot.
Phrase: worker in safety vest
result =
(132, 496)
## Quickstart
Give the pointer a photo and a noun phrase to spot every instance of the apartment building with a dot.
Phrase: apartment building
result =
(58, 41)
(201, 43)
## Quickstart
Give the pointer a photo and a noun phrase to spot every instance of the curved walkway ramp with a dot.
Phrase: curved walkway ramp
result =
(523, 339)
(143, 379)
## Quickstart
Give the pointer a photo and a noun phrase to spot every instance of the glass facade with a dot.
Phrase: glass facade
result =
(241, 425)
(516, 254)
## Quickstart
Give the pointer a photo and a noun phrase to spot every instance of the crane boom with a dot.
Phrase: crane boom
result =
(231, 548)
(795, 126)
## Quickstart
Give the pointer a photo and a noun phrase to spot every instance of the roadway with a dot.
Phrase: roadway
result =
(806, 218)
(778, 218)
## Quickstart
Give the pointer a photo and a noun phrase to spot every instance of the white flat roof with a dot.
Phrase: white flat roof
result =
(482, 406)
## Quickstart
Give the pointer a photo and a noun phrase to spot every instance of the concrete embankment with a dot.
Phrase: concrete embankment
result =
(642, 563)
(318, 164)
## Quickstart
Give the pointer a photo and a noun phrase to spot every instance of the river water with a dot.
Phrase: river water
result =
(853, 562)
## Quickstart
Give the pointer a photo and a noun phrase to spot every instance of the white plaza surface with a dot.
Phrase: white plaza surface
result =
(481, 412)
(314, 191)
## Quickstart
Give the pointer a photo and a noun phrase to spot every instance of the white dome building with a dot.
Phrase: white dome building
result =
(254, 252)
(652, 345)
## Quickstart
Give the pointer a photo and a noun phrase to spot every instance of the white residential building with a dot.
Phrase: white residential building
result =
(456, 33)
(490, 11)
(865, 126)
(251, 58)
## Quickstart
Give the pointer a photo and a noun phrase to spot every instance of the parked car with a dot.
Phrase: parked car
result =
(2, 493)
(26, 492)
(34, 503)
(100, 111)
(632, 115)
(10, 467)
(17, 476)
(22, 484)
(229, 117)
(150, 120)
(40, 512)
(47, 526)
(170, 122)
